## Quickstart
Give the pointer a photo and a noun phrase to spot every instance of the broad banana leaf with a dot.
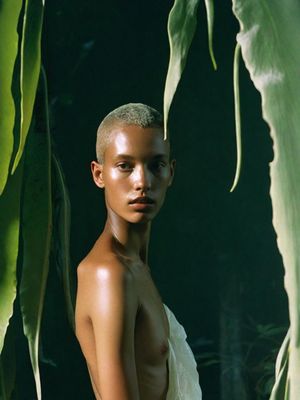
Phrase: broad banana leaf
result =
(9, 245)
(36, 233)
(270, 43)
(30, 66)
(9, 15)
(62, 222)
(182, 24)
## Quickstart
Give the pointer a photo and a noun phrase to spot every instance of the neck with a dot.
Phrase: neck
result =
(132, 239)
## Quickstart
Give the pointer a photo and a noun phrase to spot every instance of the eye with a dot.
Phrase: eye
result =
(124, 166)
(157, 165)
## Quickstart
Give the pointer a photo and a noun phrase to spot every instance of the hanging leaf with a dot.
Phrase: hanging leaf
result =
(62, 236)
(9, 15)
(237, 114)
(30, 66)
(36, 233)
(209, 4)
(269, 39)
(281, 387)
(182, 24)
(9, 244)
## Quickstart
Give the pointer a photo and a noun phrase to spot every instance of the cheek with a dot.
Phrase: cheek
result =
(114, 184)
(110, 175)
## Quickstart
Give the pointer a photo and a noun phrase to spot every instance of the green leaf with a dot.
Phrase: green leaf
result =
(209, 4)
(61, 202)
(281, 385)
(237, 115)
(269, 39)
(182, 24)
(9, 244)
(30, 66)
(9, 15)
(36, 233)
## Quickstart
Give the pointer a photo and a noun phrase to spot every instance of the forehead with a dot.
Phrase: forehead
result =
(136, 141)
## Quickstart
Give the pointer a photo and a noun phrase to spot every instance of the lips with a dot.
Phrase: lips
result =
(142, 200)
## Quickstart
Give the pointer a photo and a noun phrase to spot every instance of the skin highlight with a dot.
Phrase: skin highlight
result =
(120, 320)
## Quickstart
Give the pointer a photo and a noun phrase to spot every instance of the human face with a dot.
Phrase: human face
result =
(136, 172)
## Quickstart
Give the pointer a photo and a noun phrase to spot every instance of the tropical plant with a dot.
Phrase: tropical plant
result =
(31, 180)
(269, 39)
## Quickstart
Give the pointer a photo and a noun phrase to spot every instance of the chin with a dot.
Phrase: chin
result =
(141, 218)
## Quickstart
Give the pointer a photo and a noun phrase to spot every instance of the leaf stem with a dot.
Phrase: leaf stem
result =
(237, 115)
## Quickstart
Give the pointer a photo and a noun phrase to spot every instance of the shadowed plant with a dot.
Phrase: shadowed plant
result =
(27, 185)
(269, 40)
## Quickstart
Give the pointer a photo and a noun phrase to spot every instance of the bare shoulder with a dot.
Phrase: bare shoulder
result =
(105, 270)
(98, 281)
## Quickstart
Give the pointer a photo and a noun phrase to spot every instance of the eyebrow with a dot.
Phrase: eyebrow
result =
(129, 157)
(124, 156)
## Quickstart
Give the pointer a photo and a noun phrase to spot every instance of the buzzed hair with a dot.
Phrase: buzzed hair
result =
(129, 114)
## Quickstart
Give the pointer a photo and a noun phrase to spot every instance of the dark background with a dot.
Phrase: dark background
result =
(213, 254)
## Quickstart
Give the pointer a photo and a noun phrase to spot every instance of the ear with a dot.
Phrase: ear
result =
(97, 172)
(172, 170)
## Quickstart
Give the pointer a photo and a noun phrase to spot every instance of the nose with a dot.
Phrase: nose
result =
(142, 179)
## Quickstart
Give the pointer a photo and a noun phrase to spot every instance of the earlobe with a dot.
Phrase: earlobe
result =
(97, 173)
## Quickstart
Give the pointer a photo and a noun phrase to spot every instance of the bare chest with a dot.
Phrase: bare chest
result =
(152, 327)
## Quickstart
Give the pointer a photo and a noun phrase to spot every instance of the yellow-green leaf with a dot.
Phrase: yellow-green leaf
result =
(269, 39)
(9, 246)
(9, 15)
(30, 66)
(36, 233)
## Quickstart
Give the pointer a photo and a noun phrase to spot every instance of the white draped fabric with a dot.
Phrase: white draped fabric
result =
(183, 375)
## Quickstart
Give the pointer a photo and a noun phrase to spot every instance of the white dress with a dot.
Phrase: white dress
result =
(183, 375)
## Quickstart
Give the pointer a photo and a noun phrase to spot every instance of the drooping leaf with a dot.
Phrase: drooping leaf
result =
(269, 39)
(30, 66)
(62, 210)
(182, 24)
(237, 115)
(36, 233)
(9, 245)
(9, 15)
(281, 385)
(209, 4)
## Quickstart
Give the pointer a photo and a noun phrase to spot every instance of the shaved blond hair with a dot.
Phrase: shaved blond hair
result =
(128, 114)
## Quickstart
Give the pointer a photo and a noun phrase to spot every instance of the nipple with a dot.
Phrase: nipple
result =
(164, 348)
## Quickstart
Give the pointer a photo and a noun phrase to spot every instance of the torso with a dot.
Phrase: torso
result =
(151, 333)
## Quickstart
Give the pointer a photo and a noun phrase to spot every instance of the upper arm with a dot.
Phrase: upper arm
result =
(110, 303)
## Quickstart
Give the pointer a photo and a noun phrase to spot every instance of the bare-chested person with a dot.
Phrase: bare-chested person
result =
(121, 322)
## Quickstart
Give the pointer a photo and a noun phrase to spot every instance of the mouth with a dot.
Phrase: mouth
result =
(142, 200)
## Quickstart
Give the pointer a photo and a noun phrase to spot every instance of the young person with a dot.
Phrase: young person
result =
(134, 347)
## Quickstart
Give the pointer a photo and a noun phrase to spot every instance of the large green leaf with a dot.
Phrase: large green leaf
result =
(182, 24)
(269, 39)
(36, 233)
(9, 15)
(30, 66)
(9, 244)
